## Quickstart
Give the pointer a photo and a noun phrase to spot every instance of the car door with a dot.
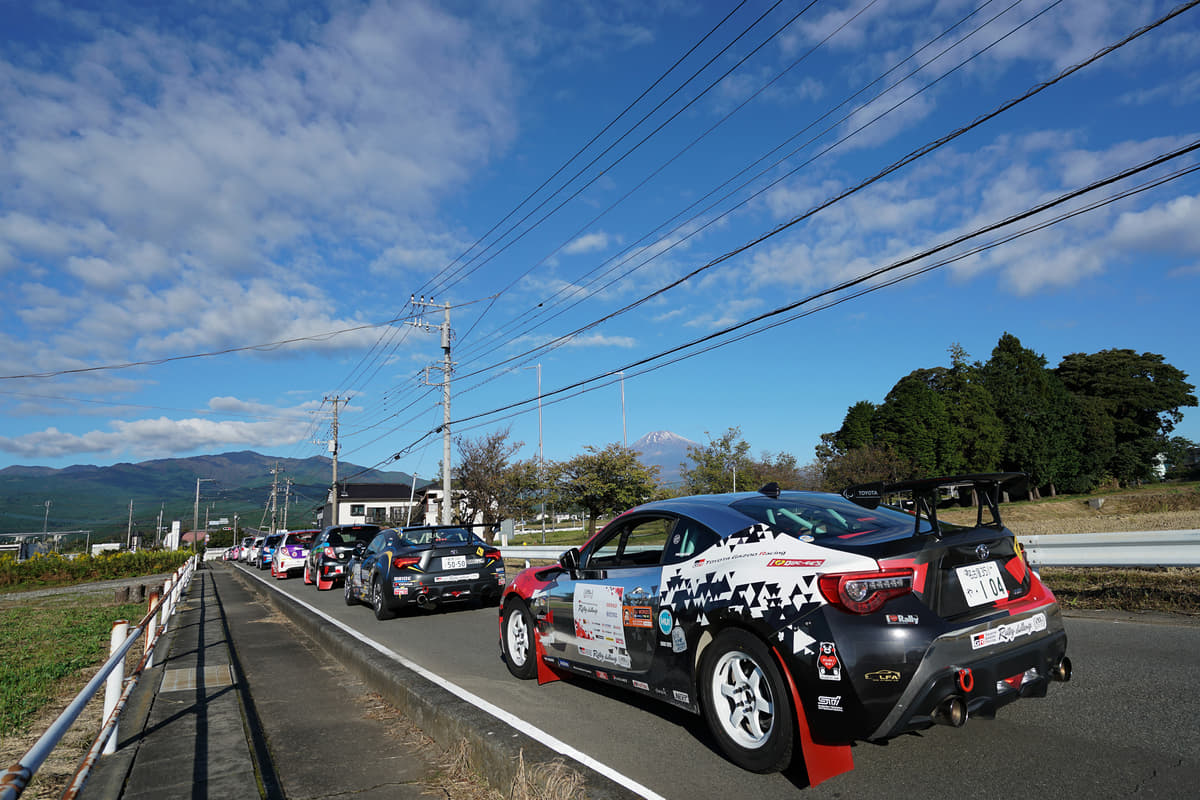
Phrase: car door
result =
(602, 614)
(365, 564)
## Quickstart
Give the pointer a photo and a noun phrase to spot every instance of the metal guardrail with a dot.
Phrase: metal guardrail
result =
(1127, 549)
(14, 780)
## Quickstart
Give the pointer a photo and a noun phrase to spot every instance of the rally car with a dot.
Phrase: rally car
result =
(325, 564)
(798, 620)
(292, 552)
(423, 566)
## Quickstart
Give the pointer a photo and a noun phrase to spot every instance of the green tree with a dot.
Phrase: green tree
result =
(1042, 432)
(971, 414)
(864, 465)
(1141, 393)
(603, 482)
(857, 427)
(714, 466)
(913, 423)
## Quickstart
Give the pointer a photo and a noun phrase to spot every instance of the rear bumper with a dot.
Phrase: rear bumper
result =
(415, 590)
(286, 562)
(987, 666)
(331, 570)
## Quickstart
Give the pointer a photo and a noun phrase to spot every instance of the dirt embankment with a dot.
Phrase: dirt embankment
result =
(1135, 511)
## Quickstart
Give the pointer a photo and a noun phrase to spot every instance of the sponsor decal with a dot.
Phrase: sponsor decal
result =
(678, 640)
(562, 662)
(795, 562)
(826, 703)
(902, 619)
(401, 579)
(805, 538)
(665, 621)
(829, 668)
(637, 616)
(619, 679)
(645, 687)
(601, 674)
(681, 697)
(1009, 632)
(479, 552)
(399, 591)
(883, 676)
(448, 578)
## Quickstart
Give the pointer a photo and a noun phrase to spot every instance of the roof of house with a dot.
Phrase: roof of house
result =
(375, 491)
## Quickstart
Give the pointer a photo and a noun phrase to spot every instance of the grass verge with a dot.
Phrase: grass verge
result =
(1174, 590)
(50, 642)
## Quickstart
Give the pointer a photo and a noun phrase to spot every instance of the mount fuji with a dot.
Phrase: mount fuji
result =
(664, 450)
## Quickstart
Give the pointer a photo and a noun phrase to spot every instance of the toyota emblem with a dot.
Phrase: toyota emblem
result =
(983, 552)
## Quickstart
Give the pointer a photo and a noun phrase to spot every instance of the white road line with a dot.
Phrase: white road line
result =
(521, 725)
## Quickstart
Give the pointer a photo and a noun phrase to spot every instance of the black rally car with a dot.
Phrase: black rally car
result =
(330, 552)
(798, 622)
(423, 566)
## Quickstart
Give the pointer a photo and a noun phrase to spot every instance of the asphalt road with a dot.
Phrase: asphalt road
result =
(1127, 722)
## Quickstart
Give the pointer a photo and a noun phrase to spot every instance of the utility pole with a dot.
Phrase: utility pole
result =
(447, 367)
(274, 491)
(158, 525)
(337, 401)
(196, 510)
(287, 493)
(541, 453)
(129, 530)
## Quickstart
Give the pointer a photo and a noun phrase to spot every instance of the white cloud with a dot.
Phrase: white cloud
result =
(588, 243)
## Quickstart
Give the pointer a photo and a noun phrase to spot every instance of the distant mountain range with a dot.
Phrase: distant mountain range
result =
(666, 451)
(87, 497)
(97, 498)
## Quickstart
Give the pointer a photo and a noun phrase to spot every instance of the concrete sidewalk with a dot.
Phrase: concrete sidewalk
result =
(243, 705)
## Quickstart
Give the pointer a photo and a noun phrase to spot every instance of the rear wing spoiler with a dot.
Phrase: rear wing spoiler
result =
(926, 492)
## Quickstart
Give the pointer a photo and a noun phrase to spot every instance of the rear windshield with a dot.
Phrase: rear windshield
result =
(437, 536)
(271, 541)
(301, 538)
(823, 516)
(351, 534)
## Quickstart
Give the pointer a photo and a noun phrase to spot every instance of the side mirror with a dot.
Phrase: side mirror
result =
(569, 560)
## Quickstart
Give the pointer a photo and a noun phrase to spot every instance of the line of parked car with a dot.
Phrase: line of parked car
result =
(388, 569)
(795, 623)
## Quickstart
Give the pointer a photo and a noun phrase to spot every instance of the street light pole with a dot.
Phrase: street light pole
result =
(196, 511)
(624, 435)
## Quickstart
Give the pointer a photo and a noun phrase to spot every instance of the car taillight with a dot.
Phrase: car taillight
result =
(330, 552)
(492, 554)
(865, 592)
(400, 562)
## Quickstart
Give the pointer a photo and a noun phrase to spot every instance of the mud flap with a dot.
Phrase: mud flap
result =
(545, 673)
(821, 761)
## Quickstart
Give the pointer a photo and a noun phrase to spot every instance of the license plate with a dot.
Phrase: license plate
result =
(981, 583)
(454, 562)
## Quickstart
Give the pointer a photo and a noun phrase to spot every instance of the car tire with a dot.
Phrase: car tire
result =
(746, 703)
(351, 600)
(516, 639)
(379, 602)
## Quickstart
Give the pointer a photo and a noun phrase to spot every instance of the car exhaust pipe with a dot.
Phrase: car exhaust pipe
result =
(424, 602)
(952, 711)
(1061, 671)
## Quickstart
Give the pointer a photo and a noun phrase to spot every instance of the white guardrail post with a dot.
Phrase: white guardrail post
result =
(116, 679)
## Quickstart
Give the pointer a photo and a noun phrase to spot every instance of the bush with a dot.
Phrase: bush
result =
(52, 569)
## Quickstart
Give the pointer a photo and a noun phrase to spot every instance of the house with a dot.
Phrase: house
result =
(385, 504)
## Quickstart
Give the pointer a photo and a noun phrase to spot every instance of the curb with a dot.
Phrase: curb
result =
(501, 754)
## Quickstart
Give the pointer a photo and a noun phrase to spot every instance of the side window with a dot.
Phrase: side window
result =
(357, 510)
(377, 544)
(637, 543)
(688, 540)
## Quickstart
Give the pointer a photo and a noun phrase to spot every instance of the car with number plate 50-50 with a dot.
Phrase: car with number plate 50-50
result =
(423, 566)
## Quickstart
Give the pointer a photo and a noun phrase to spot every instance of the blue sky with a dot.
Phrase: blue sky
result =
(240, 203)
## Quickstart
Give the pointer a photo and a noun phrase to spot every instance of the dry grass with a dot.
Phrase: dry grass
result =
(1170, 589)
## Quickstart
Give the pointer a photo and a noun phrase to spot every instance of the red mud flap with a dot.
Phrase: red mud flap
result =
(821, 761)
(545, 673)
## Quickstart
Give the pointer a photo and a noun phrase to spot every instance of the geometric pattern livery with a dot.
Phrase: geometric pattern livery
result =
(733, 575)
